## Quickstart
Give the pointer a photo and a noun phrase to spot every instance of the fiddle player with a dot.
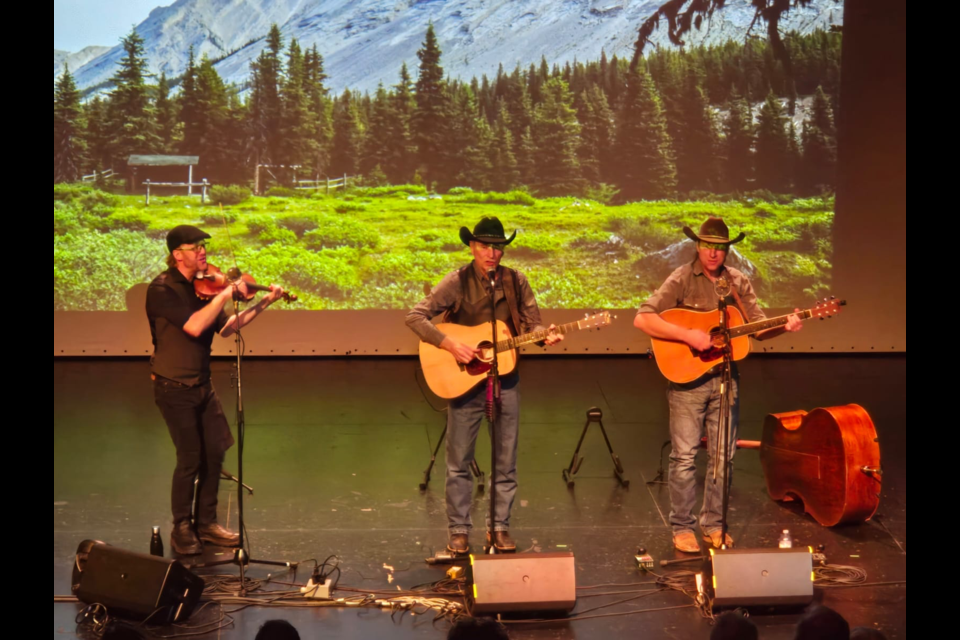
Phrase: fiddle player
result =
(182, 327)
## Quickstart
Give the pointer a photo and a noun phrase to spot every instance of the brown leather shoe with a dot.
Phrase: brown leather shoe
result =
(502, 541)
(714, 539)
(459, 544)
(218, 536)
(184, 541)
(686, 542)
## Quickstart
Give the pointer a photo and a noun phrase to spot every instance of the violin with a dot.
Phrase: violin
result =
(211, 283)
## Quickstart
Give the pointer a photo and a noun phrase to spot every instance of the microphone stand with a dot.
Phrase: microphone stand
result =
(241, 556)
(493, 413)
(724, 431)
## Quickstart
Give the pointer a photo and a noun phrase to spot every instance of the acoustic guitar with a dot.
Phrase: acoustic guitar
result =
(450, 379)
(681, 364)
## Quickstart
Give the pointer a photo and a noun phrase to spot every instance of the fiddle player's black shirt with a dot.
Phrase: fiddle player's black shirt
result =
(171, 301)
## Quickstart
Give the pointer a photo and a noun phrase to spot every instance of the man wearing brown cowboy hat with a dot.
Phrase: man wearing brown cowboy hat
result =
(695, 407)
(463, 296)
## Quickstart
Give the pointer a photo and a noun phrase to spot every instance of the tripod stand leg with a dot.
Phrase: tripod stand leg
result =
(661, 472)
(594, 415)
(479, 475)
(433, 461)
(569, 474)
(617, 465)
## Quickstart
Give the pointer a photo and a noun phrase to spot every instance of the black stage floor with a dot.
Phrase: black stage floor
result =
(336, 450)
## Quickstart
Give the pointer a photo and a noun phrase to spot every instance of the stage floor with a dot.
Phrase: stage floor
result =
(336, 450)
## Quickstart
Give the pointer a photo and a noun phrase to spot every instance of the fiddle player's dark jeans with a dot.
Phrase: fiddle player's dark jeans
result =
(201, 435)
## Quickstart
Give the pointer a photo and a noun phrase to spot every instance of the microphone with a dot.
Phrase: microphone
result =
(722, 287)
(492, 275)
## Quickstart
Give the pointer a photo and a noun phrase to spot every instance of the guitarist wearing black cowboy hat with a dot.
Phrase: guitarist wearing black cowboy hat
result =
(463, 297)
(695, 407)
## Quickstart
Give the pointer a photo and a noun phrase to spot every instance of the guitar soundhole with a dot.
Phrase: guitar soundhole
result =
(483, 362)
(716, 353)
(711, 355)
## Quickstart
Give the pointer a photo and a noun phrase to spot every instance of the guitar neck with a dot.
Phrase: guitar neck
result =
(536, 336)
(764, 325)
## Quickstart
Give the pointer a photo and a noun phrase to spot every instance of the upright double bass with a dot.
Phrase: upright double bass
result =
(829, 459)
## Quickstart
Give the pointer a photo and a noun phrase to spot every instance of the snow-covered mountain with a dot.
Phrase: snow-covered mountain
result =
(365, 42)
(75, 61)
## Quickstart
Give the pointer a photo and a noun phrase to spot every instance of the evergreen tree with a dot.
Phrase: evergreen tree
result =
(794, 156)
(519, 104)
(297, 125)
(190, 108)
(738, 145)
(377, 152)
(556, 132)
(589, 150)
(606, 123)
(97, 135)
(68, 143)
(431, 119)
(166, 115)
(132, 117)
(527, 158)
(819, 165)
(697, 165)
(504, 175)
(206, 133)
(265, 103)
(467, 141)
(347, 136)
(645, 151)
(320, 111)
(401, 149)
(773, 147)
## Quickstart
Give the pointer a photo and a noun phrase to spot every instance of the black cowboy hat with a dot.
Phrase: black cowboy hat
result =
(487, 231)
(713, 231)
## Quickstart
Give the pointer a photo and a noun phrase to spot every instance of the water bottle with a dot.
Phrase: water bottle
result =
(786, 540)
(156, 543)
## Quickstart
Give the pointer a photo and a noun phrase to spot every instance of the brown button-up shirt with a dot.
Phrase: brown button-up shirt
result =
(690, 287)
(474, 306)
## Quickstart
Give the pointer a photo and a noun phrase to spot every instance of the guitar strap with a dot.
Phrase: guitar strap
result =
(511, 284)
(736, 299)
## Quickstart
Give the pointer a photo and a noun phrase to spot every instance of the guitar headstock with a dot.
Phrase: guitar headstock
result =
(827, 308)
(596, 321)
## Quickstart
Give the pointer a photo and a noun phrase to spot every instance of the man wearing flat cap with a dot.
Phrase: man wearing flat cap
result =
(695, 407)
(182, 326)
(463, 296)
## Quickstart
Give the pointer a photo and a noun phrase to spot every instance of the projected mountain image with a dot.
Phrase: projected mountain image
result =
(352, 194)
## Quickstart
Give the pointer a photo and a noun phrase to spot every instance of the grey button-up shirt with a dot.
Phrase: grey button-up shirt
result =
(474, 306)
(690, 287)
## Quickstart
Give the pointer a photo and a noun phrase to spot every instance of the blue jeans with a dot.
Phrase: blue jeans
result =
(465, 416)
(695, 409)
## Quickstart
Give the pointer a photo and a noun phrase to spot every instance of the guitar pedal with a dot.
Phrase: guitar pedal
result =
(645, 561)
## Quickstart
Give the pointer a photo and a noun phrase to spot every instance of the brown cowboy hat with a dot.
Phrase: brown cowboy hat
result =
(714, 231)
(487, 231)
